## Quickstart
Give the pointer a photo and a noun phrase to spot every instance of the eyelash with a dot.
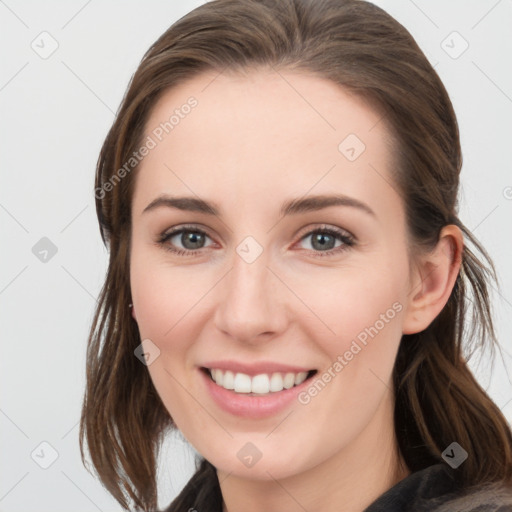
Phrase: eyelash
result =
(347, 239)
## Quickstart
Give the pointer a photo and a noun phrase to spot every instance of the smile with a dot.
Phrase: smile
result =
(257, 396)
(261, 384)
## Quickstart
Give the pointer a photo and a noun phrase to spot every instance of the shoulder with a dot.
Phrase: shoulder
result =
(433, 489)
(485, 498)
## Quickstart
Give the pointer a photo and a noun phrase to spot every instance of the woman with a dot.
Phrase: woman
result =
(288, 279)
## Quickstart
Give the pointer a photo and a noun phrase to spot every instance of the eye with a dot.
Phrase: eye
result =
(323, 241)
(191, 238)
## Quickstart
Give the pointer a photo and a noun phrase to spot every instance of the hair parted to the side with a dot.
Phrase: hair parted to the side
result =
(363, 49)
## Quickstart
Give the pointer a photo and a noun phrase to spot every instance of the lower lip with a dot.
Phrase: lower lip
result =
(251, 406)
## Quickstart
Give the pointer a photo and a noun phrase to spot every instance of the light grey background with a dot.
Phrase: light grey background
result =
(55, 113)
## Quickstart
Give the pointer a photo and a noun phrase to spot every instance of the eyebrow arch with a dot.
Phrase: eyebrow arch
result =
(290, 207)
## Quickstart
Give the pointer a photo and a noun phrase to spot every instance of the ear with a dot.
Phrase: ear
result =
(133, 312)
(433, 278)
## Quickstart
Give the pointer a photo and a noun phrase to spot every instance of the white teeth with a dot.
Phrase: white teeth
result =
(289, 380)
(300, 378)
(242, 383)
(276, 382)
(228, 380)
(260, 384)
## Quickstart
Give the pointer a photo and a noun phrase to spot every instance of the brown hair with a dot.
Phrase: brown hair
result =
(363, 49)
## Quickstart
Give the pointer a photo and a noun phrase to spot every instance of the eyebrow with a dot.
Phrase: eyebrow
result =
(290, 207)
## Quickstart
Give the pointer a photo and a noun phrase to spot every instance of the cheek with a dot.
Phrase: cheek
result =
(167, 304)
(364, 308)
(162, 296)
(355, 304)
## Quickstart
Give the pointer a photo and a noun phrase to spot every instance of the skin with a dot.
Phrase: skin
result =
(252, 142)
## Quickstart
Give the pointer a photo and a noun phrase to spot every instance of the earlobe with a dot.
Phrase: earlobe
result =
(435, 277)
(133, 312)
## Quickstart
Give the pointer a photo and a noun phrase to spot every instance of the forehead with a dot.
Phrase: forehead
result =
(275, 132)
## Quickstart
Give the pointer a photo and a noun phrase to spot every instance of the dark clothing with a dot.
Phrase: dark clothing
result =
(433, 490)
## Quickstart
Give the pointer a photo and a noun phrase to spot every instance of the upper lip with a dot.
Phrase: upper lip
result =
(255, 368)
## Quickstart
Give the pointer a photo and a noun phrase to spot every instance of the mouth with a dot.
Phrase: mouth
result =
(263, 384)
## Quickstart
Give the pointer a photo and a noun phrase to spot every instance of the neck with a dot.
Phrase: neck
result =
(349, 481)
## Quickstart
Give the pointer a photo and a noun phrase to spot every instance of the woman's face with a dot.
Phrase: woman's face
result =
(274, 282)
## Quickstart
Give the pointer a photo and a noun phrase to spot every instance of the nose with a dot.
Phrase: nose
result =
(252, 303)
